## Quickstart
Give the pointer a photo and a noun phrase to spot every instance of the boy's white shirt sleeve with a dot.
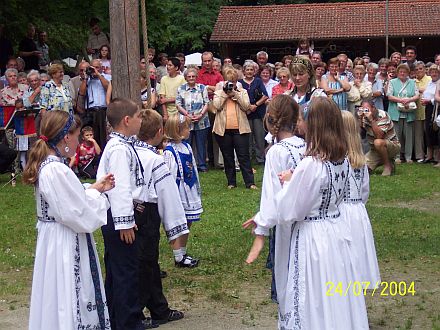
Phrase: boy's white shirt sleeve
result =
(121, 196)
(169, 204)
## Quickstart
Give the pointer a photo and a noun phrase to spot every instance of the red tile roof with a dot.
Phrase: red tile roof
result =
(327, 21)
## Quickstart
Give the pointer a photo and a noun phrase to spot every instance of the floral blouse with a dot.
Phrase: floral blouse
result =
(10, 95)
(54, 98)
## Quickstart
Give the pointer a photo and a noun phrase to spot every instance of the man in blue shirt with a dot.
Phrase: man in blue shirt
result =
(94, 88)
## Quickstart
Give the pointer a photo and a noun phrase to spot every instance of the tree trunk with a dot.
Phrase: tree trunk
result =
(124, 41)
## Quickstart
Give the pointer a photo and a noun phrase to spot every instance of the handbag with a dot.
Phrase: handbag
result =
(258, 94)
(411, 106)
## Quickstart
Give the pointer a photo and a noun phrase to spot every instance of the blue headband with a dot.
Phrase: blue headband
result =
(54, 141)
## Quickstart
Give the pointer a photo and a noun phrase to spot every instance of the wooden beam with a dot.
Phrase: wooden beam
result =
(124, 41)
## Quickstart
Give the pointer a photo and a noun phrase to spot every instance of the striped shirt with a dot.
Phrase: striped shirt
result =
(385, 123)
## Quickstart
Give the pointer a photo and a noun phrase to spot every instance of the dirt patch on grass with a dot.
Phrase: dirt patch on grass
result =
(249, 306)
(429, 205)
(418, 311)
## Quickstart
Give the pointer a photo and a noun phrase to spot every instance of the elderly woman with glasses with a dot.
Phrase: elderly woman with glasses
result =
(192, 101)
(285, 86)
(402, 94)
(32, 96)
(14, 90)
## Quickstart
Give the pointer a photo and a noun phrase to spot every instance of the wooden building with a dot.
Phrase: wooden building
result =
(355, 28)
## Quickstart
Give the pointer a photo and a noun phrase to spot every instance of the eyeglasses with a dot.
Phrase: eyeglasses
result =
(191, 76)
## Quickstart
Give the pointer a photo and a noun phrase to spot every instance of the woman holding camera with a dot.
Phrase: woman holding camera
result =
(257, 97)
(231, 128)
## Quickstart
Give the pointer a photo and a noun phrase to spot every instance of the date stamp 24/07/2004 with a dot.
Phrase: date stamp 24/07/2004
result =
(366, 288)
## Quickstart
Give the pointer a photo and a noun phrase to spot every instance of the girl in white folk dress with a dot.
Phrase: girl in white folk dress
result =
(179, 158)
(318, 252)
(353, 206)
(285, 154)
(67, 288)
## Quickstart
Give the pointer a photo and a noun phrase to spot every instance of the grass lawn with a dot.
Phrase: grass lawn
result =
(404, 212)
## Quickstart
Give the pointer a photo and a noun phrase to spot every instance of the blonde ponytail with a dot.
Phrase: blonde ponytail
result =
(37, 155)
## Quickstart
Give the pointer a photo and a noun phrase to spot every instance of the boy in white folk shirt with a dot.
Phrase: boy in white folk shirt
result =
(120, 255)
(156, 201)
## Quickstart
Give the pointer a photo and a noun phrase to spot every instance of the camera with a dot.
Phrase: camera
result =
(361, 110)
(36, 106)
(228, 87)
(90, 71)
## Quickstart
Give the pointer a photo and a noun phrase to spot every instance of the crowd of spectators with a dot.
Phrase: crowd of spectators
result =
(226, 99)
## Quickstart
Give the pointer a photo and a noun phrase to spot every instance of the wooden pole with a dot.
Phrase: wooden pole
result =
(145, 42)
(124, 41)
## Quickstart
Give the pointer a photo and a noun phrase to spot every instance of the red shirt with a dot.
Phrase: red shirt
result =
(84, 153)
(278, 89)
(209, 79)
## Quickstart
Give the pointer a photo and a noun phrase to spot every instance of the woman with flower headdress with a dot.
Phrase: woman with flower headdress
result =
(303, 77)
(67, 287)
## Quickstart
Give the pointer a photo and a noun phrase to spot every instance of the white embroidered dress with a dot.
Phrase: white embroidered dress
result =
(355, 214)
(317, 252)
(179, 165)
(67, 287)
(282, 156)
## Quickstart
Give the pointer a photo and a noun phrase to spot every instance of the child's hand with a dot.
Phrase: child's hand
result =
(104, 184)
(255, 249)
(249, 223)
(127, 235)
(285, 176)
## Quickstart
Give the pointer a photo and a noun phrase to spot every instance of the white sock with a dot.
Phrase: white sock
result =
(183, 249)
(178, 255)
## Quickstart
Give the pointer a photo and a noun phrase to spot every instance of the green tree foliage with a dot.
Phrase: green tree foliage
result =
(64, 21)
(175, 24)
(172, 24)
